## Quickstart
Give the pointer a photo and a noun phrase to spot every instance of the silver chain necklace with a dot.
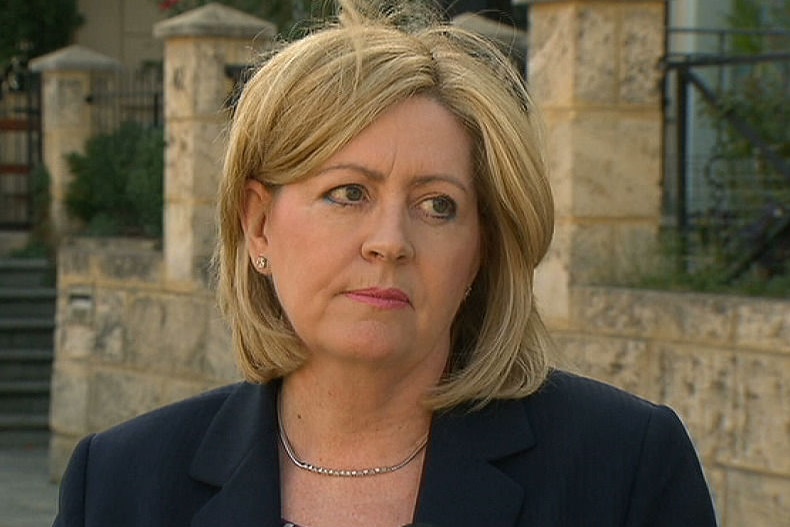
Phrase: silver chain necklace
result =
(343, 473)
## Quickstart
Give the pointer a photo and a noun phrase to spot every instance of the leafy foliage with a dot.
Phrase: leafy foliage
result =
(739, 238)
(117, 186)
(746, 198)
(29, 28)
(40, 243)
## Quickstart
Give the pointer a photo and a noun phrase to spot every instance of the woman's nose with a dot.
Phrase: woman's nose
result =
(387, 236)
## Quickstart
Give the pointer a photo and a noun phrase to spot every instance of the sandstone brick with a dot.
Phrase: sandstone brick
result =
(635, 250)
(762, 413)
(595, 64)
(764, 324)
(219, 356)
(626, 185)
(757, 500)
(69, 409)
(551, 54)
(76, 304)
(205, 228)
(591, 257)
(704, 318)
(691, 317)
(625, 363)
(72, 260)
(178, 390)
(699, 383)
(135, 262)
(194, 159)
(640, 49)
(166, 333)
(610, 253)
(74, 341)
(116, 396)
(109, 325)
(179, 241)
(624, 312)
(552, 280)
(199, 62)
(559, 134)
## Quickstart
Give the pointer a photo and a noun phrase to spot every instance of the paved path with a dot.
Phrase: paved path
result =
(27, 497)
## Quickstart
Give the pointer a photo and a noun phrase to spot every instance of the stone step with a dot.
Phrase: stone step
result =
(27, 332)
(27, 302)
(25, 364)
(24, 397)
(11, 421)
(23, 430)
(26, 272)
(24, 438)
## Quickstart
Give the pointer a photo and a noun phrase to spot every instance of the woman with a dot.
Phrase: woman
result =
(383, 206)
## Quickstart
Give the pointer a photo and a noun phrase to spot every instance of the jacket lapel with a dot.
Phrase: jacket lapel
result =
(239, 456)
(462, 485)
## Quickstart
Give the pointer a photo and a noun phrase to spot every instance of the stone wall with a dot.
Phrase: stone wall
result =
(722, 362)
(594, 70)
(127, 340)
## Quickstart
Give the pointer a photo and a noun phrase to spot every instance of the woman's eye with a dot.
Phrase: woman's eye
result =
(346, 194)
(441, 207)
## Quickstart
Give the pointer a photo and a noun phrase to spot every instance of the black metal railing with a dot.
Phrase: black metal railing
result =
(20, 148)
(728, 156)
(128, 97)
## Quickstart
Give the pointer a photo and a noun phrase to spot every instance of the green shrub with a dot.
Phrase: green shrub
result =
(117, 184)
(40, 243)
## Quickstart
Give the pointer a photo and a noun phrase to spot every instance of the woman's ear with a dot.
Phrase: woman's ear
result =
(257, 200)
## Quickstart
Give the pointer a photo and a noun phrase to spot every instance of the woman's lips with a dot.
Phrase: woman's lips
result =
(389, 298)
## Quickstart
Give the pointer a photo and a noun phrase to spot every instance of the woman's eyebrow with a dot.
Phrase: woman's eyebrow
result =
(379, 176)
(365, 171)
(446, 178)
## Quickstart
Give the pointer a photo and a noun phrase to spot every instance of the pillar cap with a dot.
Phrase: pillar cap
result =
(215, 20)
(74, 58)
(493, 30)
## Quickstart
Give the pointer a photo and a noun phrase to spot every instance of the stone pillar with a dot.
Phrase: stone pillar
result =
(69, 76)
(594, 69)
(199, 44)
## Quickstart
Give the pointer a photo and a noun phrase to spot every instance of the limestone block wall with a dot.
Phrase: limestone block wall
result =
(137, 326)
(594, 71)
(127, 341)
(69, 119)
(722, 362)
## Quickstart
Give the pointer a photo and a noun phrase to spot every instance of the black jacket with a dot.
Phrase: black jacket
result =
(577, 453)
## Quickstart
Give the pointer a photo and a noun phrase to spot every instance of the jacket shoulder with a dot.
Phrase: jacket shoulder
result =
(585, 399)
(172, 418)
(574, 417)
(165, 438)
(635, 451)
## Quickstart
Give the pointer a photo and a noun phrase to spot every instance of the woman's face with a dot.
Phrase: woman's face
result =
(371, 257)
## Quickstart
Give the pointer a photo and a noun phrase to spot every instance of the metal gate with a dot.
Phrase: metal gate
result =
(20, 148)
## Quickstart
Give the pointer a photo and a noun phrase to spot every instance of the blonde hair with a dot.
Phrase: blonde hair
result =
(315, 95)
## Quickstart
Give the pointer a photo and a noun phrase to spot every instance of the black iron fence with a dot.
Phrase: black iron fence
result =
(20, 147)
(727, 156)
(128, 97)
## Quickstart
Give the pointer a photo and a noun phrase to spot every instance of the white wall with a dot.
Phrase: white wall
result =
(121, 29)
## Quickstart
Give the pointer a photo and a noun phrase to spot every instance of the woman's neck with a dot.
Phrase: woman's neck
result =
(345, 418)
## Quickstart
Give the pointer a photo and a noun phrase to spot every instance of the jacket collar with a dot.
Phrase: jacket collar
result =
(462, 460)
(239, 455)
